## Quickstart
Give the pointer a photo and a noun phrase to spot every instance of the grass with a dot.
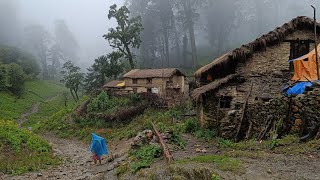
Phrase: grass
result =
(22, 151)
(222, 162)
(12, 107)
(288, 145)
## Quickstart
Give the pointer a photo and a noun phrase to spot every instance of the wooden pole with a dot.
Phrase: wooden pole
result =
(315, 39)
(243, 112)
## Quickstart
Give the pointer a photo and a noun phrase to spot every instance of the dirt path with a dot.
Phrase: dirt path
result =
(77, 163)
(24, 117)
(76, 160)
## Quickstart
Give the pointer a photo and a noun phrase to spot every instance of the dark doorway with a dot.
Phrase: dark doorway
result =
(298, 48)
(225, 101)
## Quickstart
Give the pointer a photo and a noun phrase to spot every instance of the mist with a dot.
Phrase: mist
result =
(87, 20)
(167, 38)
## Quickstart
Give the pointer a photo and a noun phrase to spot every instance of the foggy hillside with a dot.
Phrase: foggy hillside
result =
(218, 26)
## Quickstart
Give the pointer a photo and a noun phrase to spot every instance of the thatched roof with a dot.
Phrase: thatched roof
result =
(153, 73)
(266, 40)
(112, 84)
(212, 86)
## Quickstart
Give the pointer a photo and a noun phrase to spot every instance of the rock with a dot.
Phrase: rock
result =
(300, 96)
(297, 116)
(39, 174)
(232, 113)
(295, 109)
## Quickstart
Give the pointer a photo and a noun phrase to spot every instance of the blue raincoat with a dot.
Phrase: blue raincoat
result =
(98, 145)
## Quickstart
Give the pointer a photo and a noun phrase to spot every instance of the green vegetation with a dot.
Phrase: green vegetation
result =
(126, 35)
(35, 91)
(26, 61)
(287, 145)
(223, 162)
(192, 126)
(104, 67)
(16, 67)
(72, 78)
(144, 156)
(104, 103)
(22, 151)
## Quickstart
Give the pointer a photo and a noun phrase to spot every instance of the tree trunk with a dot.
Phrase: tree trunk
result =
(177, 44)
(166, 43)
(190, 26)
(76, 93)
(74, 98)
(129, 56)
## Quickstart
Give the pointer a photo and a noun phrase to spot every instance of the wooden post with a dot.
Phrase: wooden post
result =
(315, 39)
(243, 112)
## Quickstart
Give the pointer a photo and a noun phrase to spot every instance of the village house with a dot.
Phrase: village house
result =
(252, 74)
(167, 83)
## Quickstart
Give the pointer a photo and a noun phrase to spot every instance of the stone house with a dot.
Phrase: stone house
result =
(169, 82)
(235, 83)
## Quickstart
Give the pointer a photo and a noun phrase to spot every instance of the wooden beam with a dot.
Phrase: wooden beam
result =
(243, 111)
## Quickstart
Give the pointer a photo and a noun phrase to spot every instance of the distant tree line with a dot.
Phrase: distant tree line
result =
(189, 33)
(16, 66)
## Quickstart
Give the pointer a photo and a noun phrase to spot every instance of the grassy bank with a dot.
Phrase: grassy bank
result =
(12, 107)
(22, 151)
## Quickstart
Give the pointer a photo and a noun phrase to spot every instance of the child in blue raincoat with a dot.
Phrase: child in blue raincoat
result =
(98, 147)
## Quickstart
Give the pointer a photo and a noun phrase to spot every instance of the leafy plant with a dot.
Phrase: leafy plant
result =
(144, 156)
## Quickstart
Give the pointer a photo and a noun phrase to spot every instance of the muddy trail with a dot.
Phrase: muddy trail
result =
(77, 162)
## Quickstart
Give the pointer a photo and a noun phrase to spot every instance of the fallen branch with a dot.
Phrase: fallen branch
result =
(82, 108)
(168, 156)
(243, 111)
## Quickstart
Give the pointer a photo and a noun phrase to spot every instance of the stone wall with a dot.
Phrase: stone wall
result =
(269, 72)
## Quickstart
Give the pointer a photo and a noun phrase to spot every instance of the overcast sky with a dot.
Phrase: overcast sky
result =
(87, 19)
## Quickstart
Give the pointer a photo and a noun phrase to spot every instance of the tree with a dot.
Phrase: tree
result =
(127, 34)
(65, 40)
(37, 41)
(56, 57)
(104, 67)
(15, 79)
(28, 62)
(220, 17)
(72, 78)
(187, 11)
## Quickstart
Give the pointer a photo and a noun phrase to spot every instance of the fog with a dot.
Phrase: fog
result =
(86, 19)
(177, 33)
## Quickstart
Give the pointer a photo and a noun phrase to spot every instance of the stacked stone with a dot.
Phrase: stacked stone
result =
(305, 111)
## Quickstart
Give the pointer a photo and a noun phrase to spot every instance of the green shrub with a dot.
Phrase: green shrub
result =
(12, 78)
(191, 126)
(105, 103)
(205, 134)
(224, 143)
(144, 156)
(177, 140)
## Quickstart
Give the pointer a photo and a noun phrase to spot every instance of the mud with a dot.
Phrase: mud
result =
(77, 162)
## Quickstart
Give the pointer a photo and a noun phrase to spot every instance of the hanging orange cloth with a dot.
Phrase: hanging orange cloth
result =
(305, 68)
